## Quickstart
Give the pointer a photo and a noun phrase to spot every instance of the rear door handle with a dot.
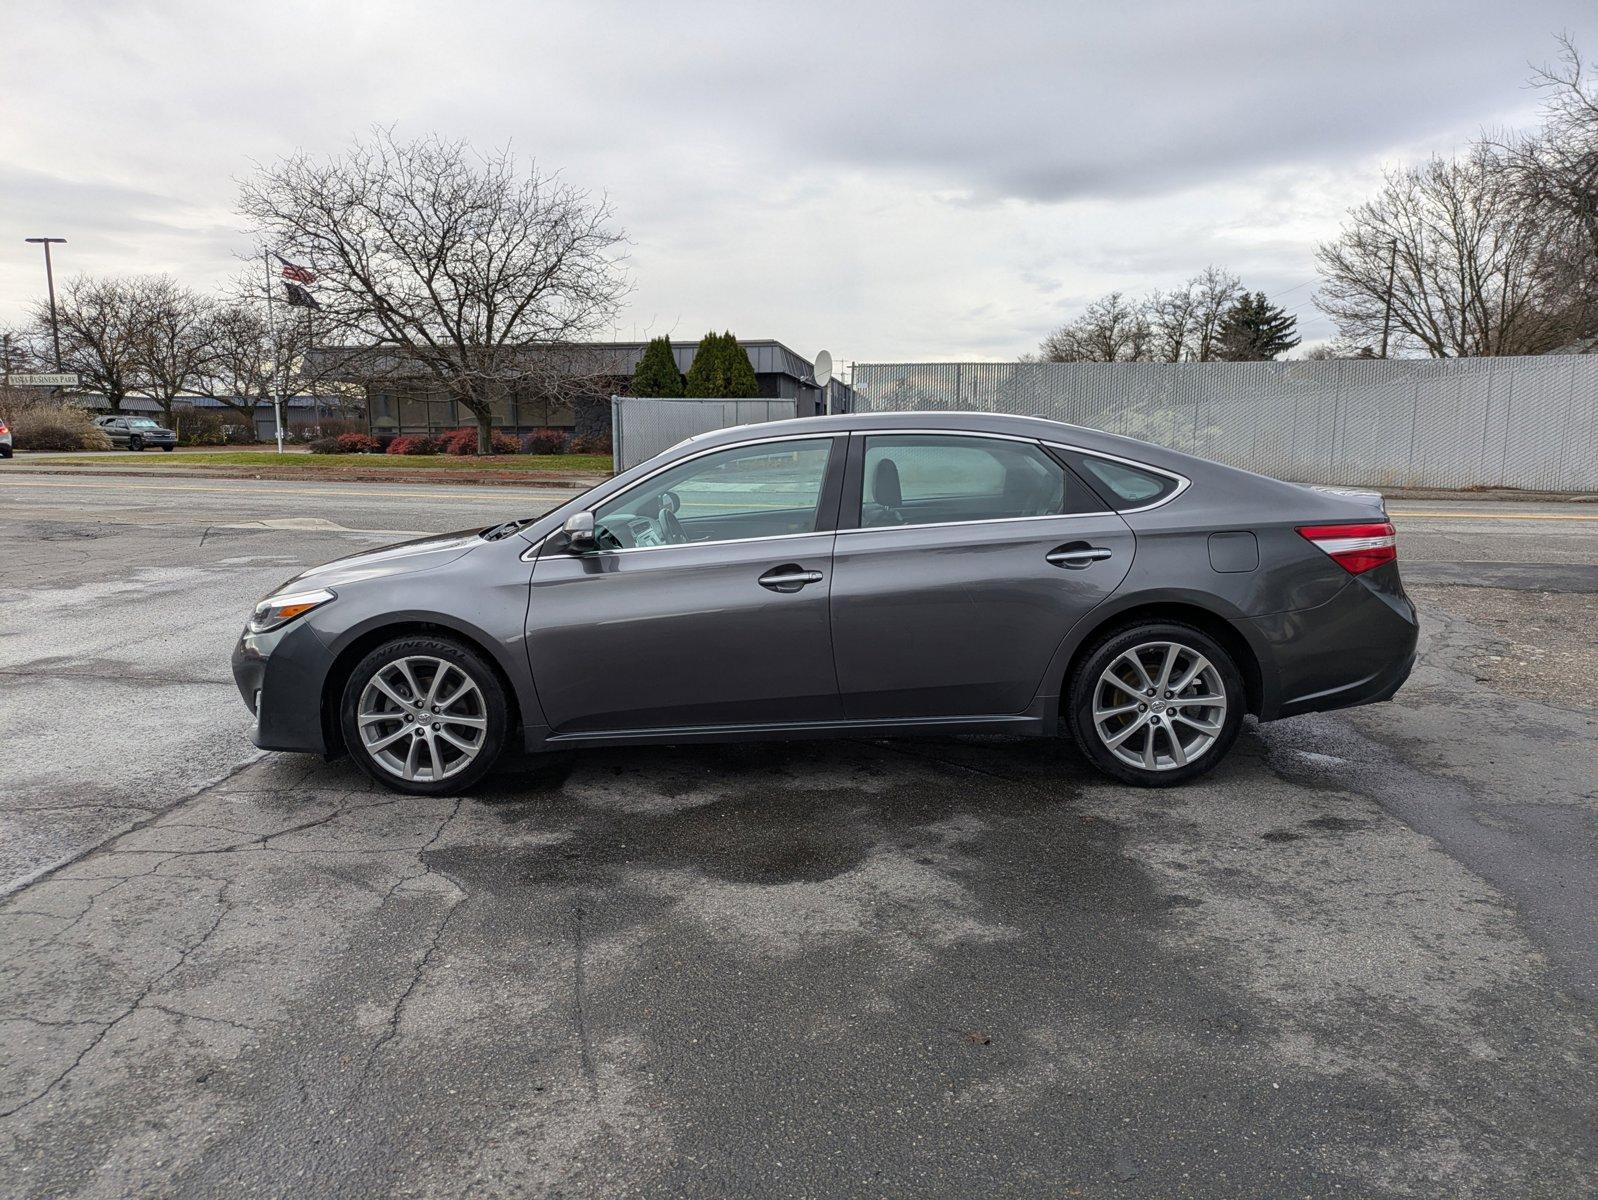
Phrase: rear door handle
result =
(789, 577)
(1077, 555)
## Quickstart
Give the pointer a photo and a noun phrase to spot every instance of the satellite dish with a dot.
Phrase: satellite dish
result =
(823, 369)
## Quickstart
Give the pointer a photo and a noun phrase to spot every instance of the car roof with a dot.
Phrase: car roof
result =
(965, 422)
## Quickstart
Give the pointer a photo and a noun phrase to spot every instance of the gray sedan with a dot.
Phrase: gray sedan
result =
(856, 576)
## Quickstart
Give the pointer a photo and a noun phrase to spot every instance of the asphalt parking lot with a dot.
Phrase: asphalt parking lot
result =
(1359, 959)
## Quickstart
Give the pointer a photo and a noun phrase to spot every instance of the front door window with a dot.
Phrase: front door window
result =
(772, 489)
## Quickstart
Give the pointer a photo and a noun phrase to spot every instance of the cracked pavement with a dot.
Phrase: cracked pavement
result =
(1357, 959)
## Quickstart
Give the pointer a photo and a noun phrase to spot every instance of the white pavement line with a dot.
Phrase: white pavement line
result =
(1493, 516)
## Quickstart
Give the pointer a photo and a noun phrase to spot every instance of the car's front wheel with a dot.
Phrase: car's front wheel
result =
(136, 443)
(1156, 704)
(169, 449)
(424, 715)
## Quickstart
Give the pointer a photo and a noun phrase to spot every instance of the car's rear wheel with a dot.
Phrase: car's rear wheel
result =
(424, 715)
(1156, 704)
(136, 443)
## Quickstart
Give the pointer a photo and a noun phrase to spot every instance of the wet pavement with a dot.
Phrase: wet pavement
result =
(1357, 959)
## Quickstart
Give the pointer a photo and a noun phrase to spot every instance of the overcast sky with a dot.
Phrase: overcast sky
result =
(887, 181)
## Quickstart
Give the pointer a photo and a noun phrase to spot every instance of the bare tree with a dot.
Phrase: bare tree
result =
(1466, 266)
(18, 350)
(1555, 173)
(173, 347)
(1215, 290)
(102, 321)
(459, 263)
(1173, 322)
(1111, 329)
(241, 372)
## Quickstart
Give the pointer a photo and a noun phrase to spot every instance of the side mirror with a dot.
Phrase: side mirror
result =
(579, 531)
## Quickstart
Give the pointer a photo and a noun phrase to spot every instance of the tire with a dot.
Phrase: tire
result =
(169, 449)
(136, 443)
(1184, 746)
(481, 716)
(5, 451)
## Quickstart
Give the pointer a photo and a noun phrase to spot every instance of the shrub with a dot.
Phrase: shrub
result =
(62, 427)
(200, 428)
(419, 443)
(357, 443)
(598, 443)
(464, 442)
(326, 445)
(546, 441)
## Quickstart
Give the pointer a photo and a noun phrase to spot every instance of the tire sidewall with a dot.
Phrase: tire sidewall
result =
(482, 674)
(1079, 700)
(136, 443)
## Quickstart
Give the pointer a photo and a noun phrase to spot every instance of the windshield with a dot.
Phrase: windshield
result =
(142, 423)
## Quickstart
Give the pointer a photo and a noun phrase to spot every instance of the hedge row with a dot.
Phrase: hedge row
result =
(460, 442)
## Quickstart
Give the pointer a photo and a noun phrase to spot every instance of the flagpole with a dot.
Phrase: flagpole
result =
(271, 328)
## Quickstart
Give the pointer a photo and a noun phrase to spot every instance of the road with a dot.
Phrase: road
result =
(1358, 959)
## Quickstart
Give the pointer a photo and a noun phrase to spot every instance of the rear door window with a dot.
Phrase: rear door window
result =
(934, 479)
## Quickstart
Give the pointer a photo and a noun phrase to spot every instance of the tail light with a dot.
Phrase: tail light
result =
(3, 428)
(1355, 548)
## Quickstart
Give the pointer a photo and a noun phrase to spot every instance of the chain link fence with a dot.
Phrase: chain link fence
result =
(1456, 423)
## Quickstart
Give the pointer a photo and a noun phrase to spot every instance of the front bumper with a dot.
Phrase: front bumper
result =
(1357, 648)
(280, 674)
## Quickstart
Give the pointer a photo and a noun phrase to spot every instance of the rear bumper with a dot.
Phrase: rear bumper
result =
(1357, 648)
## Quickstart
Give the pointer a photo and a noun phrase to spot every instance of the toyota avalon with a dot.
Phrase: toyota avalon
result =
(860, 576)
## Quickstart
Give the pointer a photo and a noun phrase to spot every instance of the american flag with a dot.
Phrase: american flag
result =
(295, 272)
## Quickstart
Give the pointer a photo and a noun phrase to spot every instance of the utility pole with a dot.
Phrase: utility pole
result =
(49, 279)
(1387, 308)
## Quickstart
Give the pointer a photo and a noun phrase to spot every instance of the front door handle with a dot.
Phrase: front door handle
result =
(1076, 555)
(789, 577)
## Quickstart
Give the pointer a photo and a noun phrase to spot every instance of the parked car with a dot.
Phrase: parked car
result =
(135, 433)
(5, 439)
(856, 576)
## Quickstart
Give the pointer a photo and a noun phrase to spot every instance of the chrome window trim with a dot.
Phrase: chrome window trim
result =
(975, 521)
(1182, 483)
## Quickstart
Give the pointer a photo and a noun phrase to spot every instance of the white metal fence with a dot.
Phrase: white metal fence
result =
(1483, 422)
(641, 427)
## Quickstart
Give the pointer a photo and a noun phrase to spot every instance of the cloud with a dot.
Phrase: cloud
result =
(927, 180)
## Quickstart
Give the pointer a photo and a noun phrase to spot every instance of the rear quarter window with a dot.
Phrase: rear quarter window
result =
(1126, 486)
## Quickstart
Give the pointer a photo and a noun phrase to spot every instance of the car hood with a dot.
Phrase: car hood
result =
(403, 558)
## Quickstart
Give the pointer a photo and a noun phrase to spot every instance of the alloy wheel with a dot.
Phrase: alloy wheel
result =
(422, 719)
(1159, 706)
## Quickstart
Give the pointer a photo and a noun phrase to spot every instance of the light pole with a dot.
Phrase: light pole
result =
(49, 279)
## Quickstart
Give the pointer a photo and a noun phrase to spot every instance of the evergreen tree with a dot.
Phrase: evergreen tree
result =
(656, 373)
(703, 373)
(1255, 330)
(741, 381)
(721, 368)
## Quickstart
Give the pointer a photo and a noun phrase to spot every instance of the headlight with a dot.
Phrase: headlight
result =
(281, 609)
